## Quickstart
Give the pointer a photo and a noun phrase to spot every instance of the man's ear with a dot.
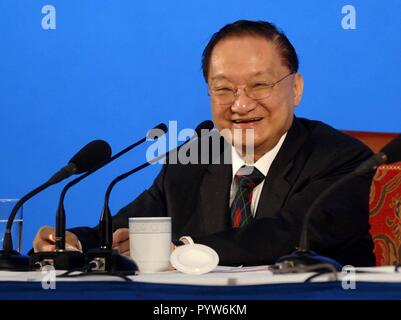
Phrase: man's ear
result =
(298, 87)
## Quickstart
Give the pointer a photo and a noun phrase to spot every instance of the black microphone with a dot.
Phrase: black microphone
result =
(66, 260)
(157, 131)
(390, 153)
(105, 224)
(91, 154)
(303, 256)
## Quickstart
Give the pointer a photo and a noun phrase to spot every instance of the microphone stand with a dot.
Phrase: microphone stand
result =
(87, 156)
(62, 259)
(105, 258)
(303, 256)
(9, 258)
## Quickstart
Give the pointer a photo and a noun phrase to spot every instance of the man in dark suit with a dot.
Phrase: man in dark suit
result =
(251, 209)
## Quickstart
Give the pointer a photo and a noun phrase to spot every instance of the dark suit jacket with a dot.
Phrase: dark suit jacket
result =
(312, 157)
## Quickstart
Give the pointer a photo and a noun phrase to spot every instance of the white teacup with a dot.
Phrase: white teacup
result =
(150, 243)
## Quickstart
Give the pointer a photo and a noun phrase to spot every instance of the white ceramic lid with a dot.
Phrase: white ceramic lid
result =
(194, 259)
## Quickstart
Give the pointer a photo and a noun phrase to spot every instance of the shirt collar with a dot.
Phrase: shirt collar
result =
(263, 164)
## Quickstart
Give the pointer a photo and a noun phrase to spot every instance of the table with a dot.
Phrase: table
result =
(222, 284)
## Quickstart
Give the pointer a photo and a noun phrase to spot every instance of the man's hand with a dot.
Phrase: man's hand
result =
(45, 240)
(121, 241)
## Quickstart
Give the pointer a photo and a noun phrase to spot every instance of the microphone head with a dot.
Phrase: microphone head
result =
(91, 155)
(157, 132)
(161, 126)
(392, 150)
(205, 125)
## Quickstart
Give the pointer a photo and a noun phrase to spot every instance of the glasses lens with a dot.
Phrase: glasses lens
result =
(223, 96)
(260, 91)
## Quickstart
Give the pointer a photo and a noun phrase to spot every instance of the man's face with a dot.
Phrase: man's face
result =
(237, 62)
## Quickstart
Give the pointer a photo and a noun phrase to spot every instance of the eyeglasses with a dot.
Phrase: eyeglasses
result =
(257, 91)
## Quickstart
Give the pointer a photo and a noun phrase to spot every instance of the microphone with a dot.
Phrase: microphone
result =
(66, 260)
(390, 153)
(105, 224)
(93, 153)
(85, 159)
(303, 256)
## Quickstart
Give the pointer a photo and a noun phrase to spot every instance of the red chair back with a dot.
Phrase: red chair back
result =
(385, 202)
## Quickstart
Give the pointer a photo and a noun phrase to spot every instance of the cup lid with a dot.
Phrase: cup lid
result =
(194, 259)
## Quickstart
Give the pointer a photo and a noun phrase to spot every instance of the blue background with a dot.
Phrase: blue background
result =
(113, 69)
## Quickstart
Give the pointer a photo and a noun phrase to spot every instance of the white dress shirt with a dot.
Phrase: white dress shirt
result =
(263, 165)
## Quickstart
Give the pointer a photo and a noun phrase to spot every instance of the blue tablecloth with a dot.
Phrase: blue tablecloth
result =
(89, 290)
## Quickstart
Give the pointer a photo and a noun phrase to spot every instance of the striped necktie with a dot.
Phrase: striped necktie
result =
(247, 179)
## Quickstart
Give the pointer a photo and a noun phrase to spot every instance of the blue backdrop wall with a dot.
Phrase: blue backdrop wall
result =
(72, 71)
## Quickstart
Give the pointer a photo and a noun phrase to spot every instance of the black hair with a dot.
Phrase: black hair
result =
(263, 29)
